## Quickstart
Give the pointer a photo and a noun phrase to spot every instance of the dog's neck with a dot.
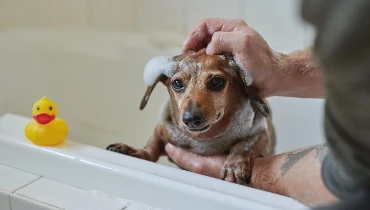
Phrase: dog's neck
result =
(245, 124)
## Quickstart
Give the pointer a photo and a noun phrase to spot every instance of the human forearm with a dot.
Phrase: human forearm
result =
(295, 174)
(297, 75)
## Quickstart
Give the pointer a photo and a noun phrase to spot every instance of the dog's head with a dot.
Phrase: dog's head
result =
(205, 91)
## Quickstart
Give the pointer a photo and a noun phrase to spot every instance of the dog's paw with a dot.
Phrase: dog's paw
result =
(236, 169)
(120, 148)
(127, 150)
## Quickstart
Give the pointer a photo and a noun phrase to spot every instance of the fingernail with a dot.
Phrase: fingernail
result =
(186, 41)
(208, 49)
(169, 148)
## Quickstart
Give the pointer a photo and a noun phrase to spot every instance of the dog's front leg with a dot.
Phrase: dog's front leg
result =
(237, 167)
(152, 150)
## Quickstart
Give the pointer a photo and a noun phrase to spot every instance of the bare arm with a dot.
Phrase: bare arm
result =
(297, 75)
(296, 174)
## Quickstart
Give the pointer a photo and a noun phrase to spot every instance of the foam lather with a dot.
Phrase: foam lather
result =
(157, 66)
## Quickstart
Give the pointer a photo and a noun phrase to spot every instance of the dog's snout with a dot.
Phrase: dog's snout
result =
(192, 119)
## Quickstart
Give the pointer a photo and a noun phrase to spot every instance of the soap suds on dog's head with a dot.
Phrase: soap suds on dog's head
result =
(247, 76)
(159, 65)
(165, 65)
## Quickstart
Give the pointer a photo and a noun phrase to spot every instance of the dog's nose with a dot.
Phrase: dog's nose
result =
(192, 119)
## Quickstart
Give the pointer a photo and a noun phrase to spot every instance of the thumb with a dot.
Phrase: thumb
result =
(182, 158)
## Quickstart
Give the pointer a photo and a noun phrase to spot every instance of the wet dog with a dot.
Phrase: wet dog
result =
(211, 111)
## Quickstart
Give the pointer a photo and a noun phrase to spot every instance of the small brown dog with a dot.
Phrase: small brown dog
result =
(211, 111)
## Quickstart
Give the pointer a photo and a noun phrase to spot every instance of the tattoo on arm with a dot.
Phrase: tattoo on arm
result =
(322, 151)
(294, 157)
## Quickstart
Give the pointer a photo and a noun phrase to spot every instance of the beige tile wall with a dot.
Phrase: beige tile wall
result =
(160, 15)
(196, 10)
(114, 14)
(42, 13)
(277, 21)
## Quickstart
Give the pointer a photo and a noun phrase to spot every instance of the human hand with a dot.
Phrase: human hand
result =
(204, 165)
(211, 165)
(249, 49)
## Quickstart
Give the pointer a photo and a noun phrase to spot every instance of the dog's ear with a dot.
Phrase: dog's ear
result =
(158, 69)
(257, 103)
(149, 90)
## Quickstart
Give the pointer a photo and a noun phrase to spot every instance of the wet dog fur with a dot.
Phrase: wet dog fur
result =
(211, 111)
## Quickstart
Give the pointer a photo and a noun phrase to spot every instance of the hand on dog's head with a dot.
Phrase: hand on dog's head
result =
(205, 91)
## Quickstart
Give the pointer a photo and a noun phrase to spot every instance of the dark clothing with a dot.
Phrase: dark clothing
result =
(360, 202)
(342, 46)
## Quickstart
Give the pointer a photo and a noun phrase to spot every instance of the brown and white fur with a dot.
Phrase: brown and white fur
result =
(232, 119)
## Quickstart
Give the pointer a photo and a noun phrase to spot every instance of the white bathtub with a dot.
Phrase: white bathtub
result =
(95, 78)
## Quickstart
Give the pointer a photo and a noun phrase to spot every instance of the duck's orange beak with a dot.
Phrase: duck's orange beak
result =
(43, 118)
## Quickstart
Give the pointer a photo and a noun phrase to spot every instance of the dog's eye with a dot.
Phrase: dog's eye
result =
(216, 83)
(177, 85)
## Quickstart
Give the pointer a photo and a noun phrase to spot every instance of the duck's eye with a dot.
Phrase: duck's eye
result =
(37, 108)
(177, 85)
(50, 108)
(216, 83)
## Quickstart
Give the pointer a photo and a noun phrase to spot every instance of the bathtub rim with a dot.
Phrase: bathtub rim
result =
(127, 165)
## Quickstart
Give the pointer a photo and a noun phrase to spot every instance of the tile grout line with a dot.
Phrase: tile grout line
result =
(10, 202)
(32, 199)
(27, 184)
(23, 171)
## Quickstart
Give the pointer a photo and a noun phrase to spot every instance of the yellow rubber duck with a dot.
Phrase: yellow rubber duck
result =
(46, 129)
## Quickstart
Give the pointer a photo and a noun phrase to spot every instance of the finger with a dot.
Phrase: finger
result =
(202, 33)
(182, 158)
(227, 42)
(205, 165)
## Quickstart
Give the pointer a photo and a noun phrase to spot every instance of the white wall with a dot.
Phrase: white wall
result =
(162, 20)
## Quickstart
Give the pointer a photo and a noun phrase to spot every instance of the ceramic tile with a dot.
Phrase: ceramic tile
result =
(19, 202)
(279, 22)
(4, 200)
(42, 13)
(12, 179)
(117, 14)
(197, 10)
(161, 15)
(68, 197)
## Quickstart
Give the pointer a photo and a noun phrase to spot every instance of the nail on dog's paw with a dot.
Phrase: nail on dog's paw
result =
(127, 150)
(120, 148)
(236, 169)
